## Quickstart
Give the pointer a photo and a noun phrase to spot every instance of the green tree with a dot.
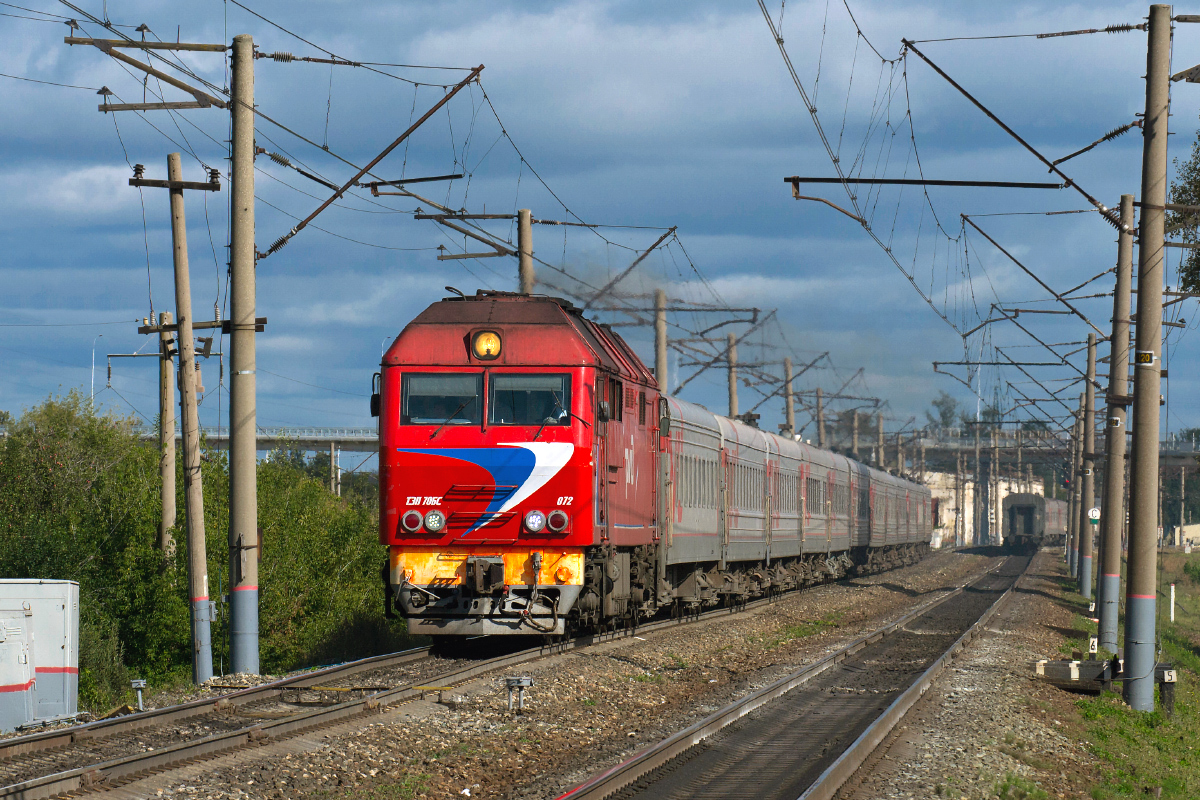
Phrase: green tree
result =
(1185, 190)
(945, 409)
(80, 500)
(988, 415)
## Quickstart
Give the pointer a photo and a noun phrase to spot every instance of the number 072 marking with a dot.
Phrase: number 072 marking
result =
(565, 501)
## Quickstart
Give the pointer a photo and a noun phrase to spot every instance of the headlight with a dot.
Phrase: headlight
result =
(535, 521)
(434, 521)
(557, 520)
(411, 521)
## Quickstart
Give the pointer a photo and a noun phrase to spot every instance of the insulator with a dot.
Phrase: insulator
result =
(280, 159)
(1125, 28)
(279, 243)
(139, 170)
(214, 176)
(283, 58)
(1115, 132)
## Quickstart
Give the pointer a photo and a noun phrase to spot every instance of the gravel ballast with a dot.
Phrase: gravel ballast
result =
(588, 709)
(987, 728)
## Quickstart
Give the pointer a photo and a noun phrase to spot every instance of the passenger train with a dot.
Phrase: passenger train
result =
(533, 480)
(1031, 521)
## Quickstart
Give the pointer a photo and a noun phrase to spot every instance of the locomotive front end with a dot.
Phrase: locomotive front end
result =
(485, 469)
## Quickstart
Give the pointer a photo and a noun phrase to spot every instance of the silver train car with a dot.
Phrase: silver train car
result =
(1031, 521)
(746, 510)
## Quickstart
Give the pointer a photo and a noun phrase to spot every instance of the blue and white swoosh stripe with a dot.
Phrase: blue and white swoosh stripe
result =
(526, 465)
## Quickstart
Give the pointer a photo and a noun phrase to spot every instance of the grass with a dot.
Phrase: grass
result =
(1014, 787)
(1141, 753)
(802, 630)
(408, 787)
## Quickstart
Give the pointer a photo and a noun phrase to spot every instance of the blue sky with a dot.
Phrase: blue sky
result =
(633, 114)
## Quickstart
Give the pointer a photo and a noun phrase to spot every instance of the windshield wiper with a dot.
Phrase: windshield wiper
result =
(558, 404)
(452, 416)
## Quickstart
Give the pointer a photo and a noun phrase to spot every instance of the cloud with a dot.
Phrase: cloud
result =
(671, 113)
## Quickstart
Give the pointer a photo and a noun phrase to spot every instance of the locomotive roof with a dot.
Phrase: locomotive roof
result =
(538, 331)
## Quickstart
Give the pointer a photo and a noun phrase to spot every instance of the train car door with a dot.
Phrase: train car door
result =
(608, 464)
(829, 484)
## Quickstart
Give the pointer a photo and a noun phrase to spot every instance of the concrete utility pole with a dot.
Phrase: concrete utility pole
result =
(1077, 459)
(820, 420)
(1140, 590)
(525, 279)
(193, 488)
(976, 496)
(332, 471)
(789, 399)
(732, 358)
(854, 436)
(1019, 460)
(960, 496)
(1089, 479)
(994, 495)
(880, 460)
(243, 414)
(1182, 497)
(166, 436)
(660, 339)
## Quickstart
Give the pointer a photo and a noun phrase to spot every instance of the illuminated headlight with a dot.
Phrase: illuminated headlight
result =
(434, 521)
(535, 521)
(411, 521)
(557, 520)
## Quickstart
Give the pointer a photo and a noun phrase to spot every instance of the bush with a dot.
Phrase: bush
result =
(103, 676)
(79, 500)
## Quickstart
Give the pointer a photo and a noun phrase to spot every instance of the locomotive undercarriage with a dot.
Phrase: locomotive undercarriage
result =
(620, 584)
(474, 610)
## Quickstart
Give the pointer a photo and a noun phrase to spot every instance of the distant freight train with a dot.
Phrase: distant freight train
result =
(534, 481)
(1031, 521)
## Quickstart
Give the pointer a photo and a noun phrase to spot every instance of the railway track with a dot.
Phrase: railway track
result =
(109, 753)
(804, 735)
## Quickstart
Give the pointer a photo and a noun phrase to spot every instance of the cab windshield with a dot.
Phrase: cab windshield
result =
(441, 398)
(530, 400)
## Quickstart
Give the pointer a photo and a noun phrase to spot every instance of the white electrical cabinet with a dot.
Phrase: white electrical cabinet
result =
(39, 654)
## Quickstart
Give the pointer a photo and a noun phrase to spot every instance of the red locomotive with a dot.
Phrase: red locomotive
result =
(534, 481)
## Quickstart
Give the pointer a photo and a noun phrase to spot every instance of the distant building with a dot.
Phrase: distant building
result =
(954, 527)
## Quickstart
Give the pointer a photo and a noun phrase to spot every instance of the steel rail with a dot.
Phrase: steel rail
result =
(109, 773)
(61, 737)
(832, 779)
(626, 773)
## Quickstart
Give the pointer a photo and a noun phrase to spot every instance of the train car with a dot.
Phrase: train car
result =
(1031, 521)
(534, 481)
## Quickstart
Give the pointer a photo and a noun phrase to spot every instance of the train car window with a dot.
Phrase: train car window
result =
(523, 399)
(615, 394)
(441, 398)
